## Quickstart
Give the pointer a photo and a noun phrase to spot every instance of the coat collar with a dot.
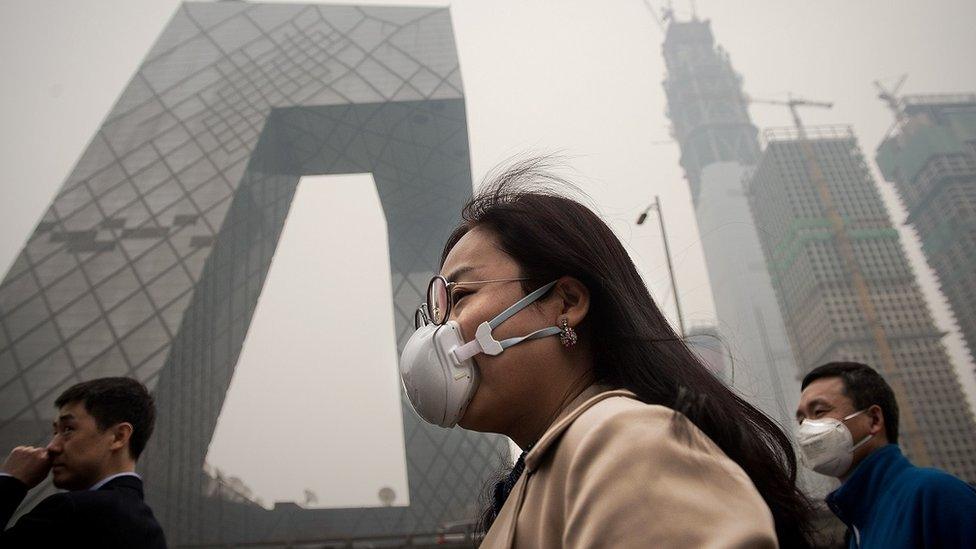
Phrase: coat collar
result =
(126, 483)
(583, 402)
(503, 533)
(876, 473)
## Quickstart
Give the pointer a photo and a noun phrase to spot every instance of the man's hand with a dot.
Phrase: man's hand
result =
(27, 464)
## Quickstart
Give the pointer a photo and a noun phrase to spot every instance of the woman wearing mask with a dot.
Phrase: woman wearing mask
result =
(540, 328)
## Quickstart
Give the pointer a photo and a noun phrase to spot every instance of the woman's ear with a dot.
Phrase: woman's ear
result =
(573, 300)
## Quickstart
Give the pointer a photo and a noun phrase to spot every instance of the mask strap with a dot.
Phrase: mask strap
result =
(545, 332)
(863, 440)
(862, 443)
(474, 347)
(855, 414)
(467, 350)
(485, 343)
(520, 304)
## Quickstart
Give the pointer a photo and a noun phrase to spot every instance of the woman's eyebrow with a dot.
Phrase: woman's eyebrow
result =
(458, 273)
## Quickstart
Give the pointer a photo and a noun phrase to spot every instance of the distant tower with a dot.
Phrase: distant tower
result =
(707, 108)
(719, 148)
(932, 162)
(824, 308)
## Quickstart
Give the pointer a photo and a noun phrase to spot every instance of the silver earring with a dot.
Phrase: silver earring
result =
(567, 335)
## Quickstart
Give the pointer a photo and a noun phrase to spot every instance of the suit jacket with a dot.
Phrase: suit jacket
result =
(611, 472)
(115, 515)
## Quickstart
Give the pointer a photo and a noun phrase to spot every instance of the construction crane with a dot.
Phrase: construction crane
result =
(792, 103)
(846, 249)
(668, 13)
(890, 98)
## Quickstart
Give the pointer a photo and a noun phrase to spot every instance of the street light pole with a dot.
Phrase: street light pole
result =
(656, 205)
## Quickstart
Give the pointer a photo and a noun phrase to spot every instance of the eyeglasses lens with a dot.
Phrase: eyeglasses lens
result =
(437, 300)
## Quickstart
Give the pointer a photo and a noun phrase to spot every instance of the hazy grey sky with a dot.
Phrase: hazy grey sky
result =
(581, 77)
(315, 391)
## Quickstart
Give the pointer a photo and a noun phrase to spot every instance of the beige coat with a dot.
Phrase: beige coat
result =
(610, 472)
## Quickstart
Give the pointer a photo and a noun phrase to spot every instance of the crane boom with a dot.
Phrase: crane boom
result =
(890, 98)
(657, 20)
(792, 103)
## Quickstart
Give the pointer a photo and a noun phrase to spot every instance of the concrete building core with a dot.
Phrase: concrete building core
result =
(719, 149)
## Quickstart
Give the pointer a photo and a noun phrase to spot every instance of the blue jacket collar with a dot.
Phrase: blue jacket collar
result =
(853, 501)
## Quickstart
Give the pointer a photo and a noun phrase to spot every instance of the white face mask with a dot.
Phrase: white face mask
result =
(436, 366)
(827, 446)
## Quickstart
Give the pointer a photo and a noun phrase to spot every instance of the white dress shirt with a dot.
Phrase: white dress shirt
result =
(102, 482)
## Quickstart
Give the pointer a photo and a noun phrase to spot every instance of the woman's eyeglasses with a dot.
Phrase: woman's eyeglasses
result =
(440, 299)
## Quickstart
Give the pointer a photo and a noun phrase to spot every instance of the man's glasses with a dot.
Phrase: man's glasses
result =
(440, 299)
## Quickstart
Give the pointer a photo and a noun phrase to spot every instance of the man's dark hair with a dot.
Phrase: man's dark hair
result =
(114, 400)
(863, 385)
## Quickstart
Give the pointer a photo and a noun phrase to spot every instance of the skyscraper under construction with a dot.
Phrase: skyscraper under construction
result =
(846, 290)
(931, 159)
(719, 147)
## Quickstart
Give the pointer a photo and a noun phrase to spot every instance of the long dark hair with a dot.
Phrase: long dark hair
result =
(634, 347)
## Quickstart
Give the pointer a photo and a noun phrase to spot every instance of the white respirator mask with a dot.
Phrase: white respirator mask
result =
(827, 446)
(437, 367)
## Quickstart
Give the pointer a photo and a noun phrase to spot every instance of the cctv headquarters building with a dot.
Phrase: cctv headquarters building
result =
(150, 259)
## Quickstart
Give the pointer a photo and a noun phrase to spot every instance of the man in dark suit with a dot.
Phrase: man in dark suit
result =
(102, 427)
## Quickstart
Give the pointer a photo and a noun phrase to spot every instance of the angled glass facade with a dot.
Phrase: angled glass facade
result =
(152, 256)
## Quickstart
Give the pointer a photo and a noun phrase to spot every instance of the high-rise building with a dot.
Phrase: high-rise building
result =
(931, 159)
(846, 289)
(719, 148)
(151, 258)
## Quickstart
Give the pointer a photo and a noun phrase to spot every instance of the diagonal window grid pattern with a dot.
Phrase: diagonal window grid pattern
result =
(150, 260)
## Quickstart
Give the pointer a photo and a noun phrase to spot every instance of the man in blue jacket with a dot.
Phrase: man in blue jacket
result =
(849, 429)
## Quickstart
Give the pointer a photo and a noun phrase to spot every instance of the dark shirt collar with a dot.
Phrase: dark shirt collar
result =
(876, 473)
